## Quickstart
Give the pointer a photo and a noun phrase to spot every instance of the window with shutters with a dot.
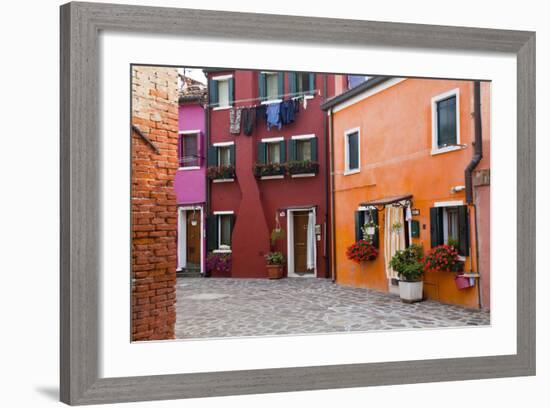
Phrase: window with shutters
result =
(365, 215)
(270, 86)
(303, 149)
(224, 155)
(224, 231)
(220, 91)
(189, 157)
(450, 225)
(219, 230)
(445, 122)
(273, 152)
(352, 151)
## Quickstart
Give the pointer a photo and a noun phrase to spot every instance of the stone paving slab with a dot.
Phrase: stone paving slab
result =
(225, 307)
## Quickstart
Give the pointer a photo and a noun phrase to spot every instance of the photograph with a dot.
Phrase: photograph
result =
(279, 203)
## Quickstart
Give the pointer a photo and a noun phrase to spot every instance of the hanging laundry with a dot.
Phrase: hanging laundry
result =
(274, 116)
(287, 112)
(249, 118)
(235, 121)
(304, 102)
(261, 112)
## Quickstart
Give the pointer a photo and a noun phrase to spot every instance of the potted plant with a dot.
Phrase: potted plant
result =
(445, 258)
(362, 251)
(268, 169)
(220, 172)
(275, 263)
(409, 266)
(302, 167)
(219, 263)
(368, 230)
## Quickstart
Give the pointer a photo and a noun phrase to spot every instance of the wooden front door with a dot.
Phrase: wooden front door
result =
(193, 238)
(300, 241)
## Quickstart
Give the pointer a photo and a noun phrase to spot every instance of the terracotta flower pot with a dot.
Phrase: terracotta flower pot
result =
(274, 271)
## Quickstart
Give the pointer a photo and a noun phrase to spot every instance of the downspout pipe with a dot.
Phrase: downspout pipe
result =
(331, 192)
(478, 146)
(476, 158)
(328, 266)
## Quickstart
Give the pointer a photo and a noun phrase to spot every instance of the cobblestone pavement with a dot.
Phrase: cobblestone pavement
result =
(219, 307)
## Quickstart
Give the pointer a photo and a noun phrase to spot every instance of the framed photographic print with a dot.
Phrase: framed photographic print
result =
(261, 203)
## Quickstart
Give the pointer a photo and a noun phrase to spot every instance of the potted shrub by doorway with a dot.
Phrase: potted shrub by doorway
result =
(408, 264)
(275, 262)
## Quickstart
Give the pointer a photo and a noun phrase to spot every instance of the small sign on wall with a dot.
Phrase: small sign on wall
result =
(415, 211)
(282, 214)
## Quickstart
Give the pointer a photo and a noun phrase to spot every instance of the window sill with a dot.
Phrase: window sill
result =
(217, 108)
(350, 172)
(275, 177)
(221, 251)
(303, 175)
(447, 149)
(189, 168)
(223, 180)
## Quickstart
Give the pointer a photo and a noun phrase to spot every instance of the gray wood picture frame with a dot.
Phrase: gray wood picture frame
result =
(80, 193)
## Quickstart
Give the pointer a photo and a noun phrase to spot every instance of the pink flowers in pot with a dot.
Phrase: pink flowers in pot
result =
(443, 258)
(362, 251)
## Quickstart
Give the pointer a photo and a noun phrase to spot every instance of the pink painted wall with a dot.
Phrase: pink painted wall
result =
(190, 185)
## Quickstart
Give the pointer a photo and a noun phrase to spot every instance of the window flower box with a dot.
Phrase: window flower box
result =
(302, 167)
(268, 169)
(220, 172)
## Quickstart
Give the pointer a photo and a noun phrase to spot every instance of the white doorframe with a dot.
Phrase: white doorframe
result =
(182, 236)
(290, 242)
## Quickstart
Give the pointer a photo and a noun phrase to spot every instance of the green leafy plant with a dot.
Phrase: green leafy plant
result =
(453, 242)
(364, 230)
(277, 234)
(268, 169)
(302, 167)
(275, 258)
(408, 263)
(220, 172)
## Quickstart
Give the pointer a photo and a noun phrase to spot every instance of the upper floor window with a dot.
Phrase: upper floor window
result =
(352, 151)
(303, 149)
(445, 126)
(270, 85)
(273, 152)
(301, 82)
(189, 155)
(221, 91)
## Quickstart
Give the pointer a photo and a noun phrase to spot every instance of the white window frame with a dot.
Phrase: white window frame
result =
(187, 133)
(225, 78)
(439, 150)
(347, 170)
(221, 250)
(269, 101)
(444, 205)
(290, 242)
(270, 140)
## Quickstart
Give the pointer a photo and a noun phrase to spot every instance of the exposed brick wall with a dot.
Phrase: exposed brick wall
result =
(154, 215)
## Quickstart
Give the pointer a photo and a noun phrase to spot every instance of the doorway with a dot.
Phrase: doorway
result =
(302, 247)
(190, 239)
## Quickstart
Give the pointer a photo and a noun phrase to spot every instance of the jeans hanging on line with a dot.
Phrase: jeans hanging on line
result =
(274, 116)
(249, 118)
(287, 112)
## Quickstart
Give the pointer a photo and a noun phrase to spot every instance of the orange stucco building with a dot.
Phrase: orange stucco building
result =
(403, 155)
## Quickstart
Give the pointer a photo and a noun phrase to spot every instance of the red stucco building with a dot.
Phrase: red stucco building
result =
(263, 180)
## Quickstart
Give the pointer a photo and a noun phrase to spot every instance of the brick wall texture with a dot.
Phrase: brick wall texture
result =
(154, 214)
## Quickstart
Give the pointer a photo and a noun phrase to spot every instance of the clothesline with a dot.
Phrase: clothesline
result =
(293, 95)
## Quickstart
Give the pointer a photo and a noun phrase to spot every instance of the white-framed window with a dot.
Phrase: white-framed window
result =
(303, 149)
(189, 157)
(272, 85)
(446, 122)
(449, 224)
(224, 155)
(221, 96)
(352, 151)
(273, 152)
(224, 225)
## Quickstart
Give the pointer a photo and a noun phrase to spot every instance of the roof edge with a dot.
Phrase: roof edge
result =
(365, 86)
